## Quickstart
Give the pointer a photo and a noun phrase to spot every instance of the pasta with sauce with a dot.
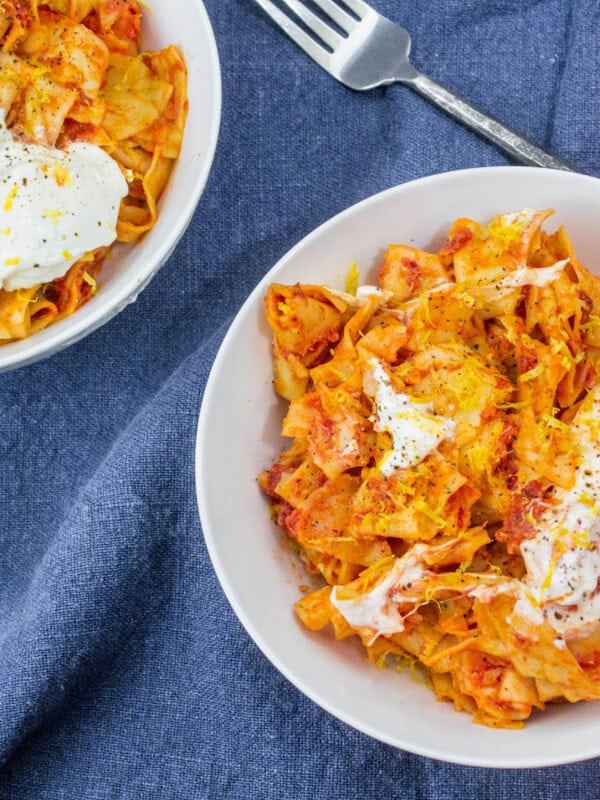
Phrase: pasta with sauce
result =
(73, 76)
(444, 473)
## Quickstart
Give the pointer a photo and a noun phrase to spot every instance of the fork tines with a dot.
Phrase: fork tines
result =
(338, 11)
(344, 15)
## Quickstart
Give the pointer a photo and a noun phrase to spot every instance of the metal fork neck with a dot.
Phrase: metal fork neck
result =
(518, 148)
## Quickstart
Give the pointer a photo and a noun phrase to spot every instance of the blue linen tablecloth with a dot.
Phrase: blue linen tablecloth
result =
(123, 671)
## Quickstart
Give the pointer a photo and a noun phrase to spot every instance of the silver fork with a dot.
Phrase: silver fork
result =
(373, 51)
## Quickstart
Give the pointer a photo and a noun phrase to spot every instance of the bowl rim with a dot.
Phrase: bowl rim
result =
(81, 325)
(235, 600)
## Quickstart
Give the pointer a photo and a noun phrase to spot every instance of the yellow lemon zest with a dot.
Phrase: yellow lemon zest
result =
(61, 175)
(10, 198)
(533, 373)
(352, 279)
(553, 422)
(53, 214)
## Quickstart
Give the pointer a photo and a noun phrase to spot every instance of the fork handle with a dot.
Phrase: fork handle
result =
(522, 150)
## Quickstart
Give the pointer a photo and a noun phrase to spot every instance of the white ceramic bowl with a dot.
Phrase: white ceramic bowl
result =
(238, 436)
(132, 267)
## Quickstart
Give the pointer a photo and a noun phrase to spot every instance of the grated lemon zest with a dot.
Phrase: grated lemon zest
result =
(10, 198)
(425, 508)
(553, 422)
(532, 374)
(285, 308)
(352, 279)
(90, 281)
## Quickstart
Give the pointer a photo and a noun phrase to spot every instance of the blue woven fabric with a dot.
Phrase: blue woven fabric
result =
(123, 671)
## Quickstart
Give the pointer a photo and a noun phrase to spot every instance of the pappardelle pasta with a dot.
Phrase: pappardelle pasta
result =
(444, 473)
(90, 127)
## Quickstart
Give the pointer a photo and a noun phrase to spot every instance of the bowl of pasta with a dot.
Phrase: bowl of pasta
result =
(109, 118)
(398, 466)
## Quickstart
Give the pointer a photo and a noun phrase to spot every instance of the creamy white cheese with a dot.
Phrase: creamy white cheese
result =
(415, 430)
(563, 559)
(529, 276)
(363, 293)
(55, 206)
(523, 217)
(379, 609)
